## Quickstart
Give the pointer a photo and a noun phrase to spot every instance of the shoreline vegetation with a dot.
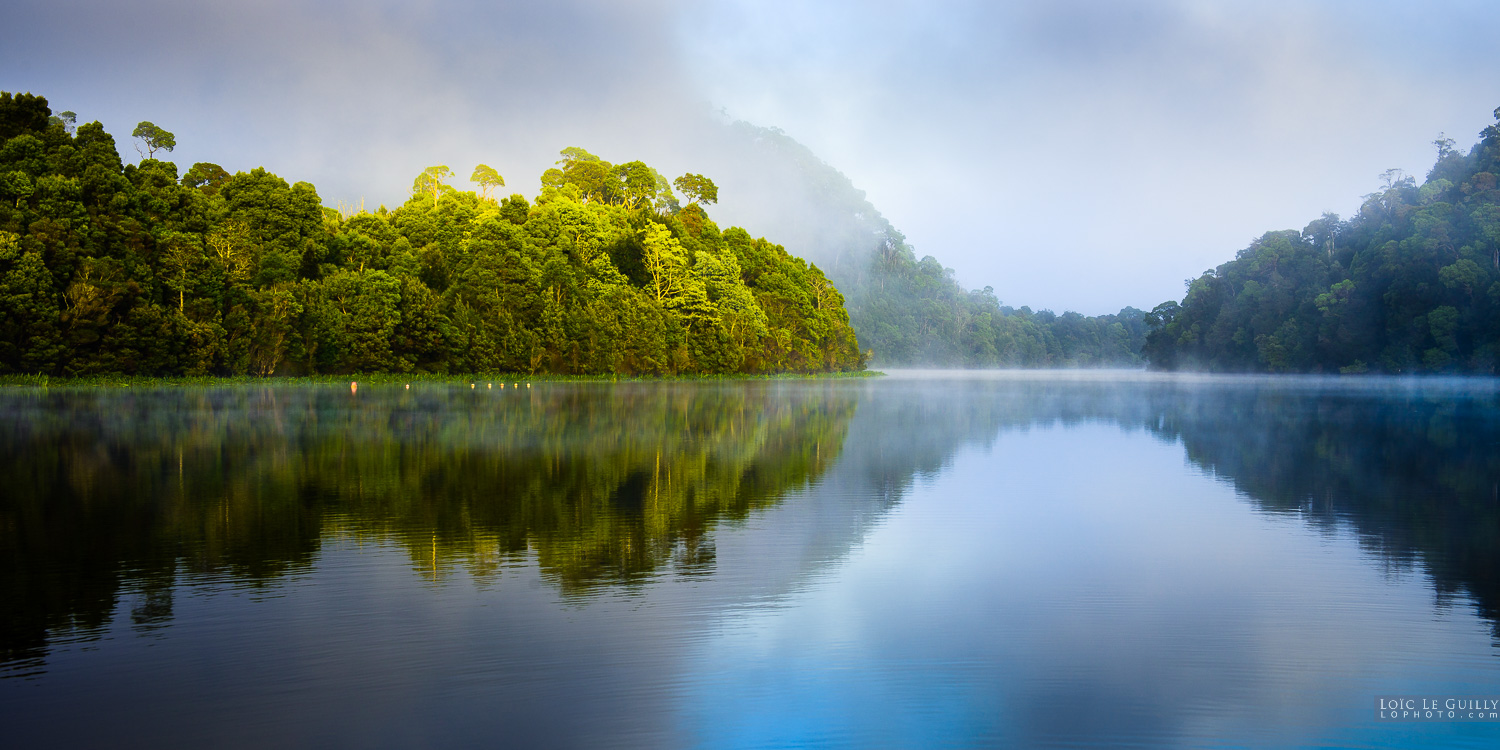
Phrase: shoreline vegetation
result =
(1409, 285)
(499, 380)
(113, 269)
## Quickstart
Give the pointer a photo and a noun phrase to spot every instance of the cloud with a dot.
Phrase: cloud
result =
(1071, 154)
(1090, 155)
(355, 96)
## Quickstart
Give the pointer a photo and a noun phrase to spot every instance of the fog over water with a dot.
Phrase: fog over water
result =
(947, 559)
(1077, 155)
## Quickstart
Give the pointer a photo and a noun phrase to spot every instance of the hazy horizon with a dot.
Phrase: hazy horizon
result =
(1073, 156)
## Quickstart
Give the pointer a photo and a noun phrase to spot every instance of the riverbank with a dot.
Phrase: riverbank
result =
(137, 381)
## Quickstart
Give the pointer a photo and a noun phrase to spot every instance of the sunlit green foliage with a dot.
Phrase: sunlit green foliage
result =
(697, 188)
(487, 179)
(114, 268)
(1411, 284)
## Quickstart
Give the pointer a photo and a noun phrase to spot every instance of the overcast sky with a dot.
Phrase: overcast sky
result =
(1073, 155)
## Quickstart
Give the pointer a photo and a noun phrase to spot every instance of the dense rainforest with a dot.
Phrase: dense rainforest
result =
(911, 311)
(108, 267)
(1410, 284)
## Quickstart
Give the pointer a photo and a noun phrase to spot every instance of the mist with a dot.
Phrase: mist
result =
(1073, 156)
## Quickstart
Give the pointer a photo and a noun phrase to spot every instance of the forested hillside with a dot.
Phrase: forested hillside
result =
(107, 267)
(910, 311)
(1410, 284)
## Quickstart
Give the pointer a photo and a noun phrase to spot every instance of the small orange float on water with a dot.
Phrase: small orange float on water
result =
(353, 387)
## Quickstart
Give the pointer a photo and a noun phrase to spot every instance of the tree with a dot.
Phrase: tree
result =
(431, 180)
(1323, 232)
(697, 188)
(589, 173)
(1464, 275)
(68, 120)
(1486, 219)
(154, 138)
(574, 155)
(637, 183)
(109, 268)
(487, 179)
(666, 262)
(1444, 146)
(206, 176)
(1396, 178)
(515, 209)
(230, 244)
(21, 114)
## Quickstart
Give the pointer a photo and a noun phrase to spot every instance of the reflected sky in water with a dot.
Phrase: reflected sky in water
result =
(914, 561)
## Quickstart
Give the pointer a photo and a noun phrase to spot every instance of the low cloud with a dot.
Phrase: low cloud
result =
(1074, 155)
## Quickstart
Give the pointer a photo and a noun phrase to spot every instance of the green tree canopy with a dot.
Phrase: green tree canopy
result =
(1409, 284)
(430, 181)
(153, 138)
(114, 268)
(68, 121)
(487, 179)
(697, 188)
(206, 177)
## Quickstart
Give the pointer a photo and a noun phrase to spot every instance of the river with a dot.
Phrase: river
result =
(927, 559)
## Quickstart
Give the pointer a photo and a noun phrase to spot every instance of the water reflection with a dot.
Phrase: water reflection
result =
(1059, 580)
(612, 484)
(1414, 473)
(925, 559)
(1411, 466)
(603, 484)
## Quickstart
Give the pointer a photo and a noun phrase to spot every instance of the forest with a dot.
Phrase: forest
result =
(108, 267)
(912, 311)
(1411, 284)
(115, 268)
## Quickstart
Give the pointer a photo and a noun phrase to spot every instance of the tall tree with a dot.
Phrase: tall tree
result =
(487, 179)
(153, 138)
(67, 119)
(431, 180)
(698, 189)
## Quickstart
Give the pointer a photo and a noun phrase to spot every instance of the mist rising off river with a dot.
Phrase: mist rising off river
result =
(921, 560)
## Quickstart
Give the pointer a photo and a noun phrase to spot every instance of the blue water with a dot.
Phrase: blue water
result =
(921, 560)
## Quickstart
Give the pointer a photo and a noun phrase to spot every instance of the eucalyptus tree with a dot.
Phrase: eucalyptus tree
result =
(697, 188)
(153, 138)
(487, 179)
(430, 181)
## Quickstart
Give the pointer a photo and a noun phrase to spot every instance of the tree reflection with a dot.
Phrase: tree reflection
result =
(110, 493)
(111, 496)
(1411, 467)
(1415, 474)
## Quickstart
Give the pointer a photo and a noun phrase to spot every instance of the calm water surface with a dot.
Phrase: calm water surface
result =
(922, 560)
